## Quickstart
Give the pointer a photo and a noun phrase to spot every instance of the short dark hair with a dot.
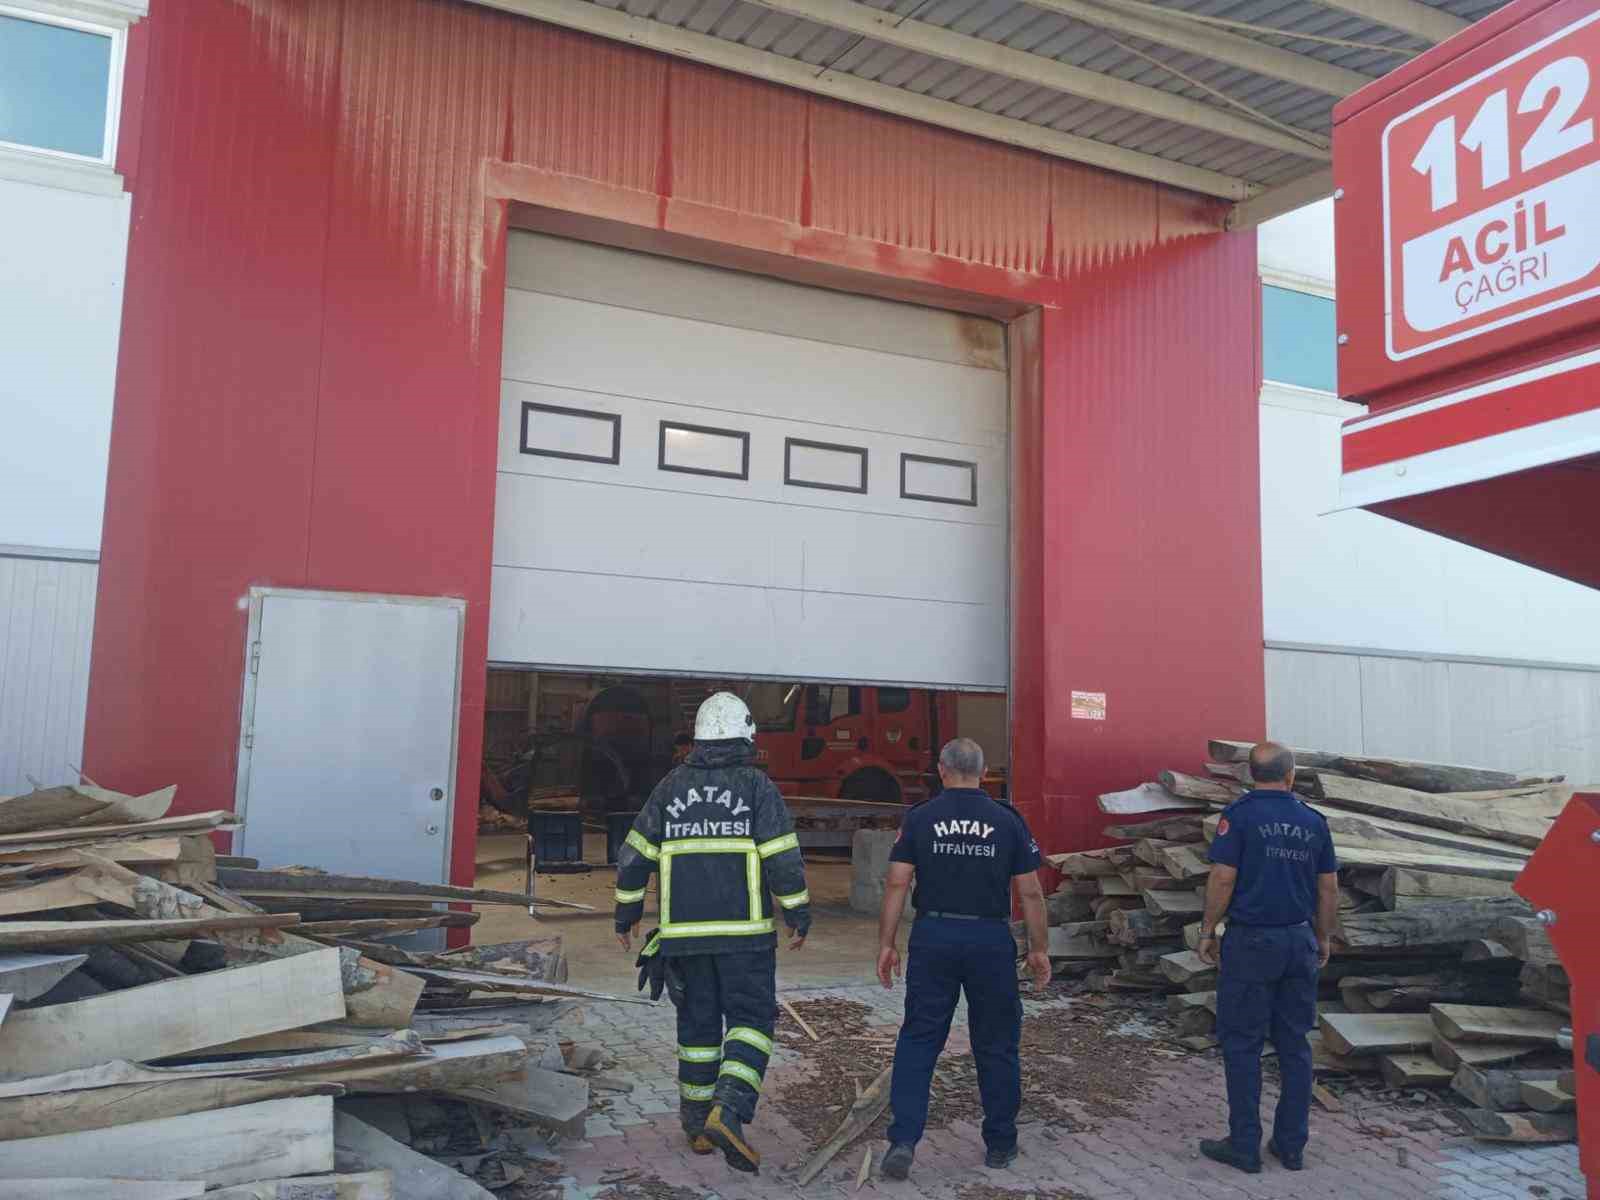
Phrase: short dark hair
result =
(1270, 762)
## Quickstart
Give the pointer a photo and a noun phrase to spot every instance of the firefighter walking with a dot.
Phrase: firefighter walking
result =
(718, 833)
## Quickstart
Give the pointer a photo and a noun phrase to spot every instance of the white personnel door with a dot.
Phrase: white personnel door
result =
(713, 473)
(347, 756)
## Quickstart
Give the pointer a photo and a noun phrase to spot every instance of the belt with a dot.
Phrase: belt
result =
(950, 916)
(1290, 925)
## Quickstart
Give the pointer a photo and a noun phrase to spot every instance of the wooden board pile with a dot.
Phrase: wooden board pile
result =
(1430, 927)
(170, 1021)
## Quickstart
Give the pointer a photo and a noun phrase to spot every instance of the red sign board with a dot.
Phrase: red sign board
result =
(1492, 196)
(1470, 216)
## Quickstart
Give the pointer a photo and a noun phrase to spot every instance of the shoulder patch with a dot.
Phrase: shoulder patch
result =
(1222, 827)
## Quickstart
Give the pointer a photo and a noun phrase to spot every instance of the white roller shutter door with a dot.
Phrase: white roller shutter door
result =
(706, 472)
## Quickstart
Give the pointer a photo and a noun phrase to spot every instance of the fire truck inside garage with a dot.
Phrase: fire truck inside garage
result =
(711, 480)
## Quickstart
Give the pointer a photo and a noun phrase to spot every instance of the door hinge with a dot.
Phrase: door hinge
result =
(255, 658)
(249, 739)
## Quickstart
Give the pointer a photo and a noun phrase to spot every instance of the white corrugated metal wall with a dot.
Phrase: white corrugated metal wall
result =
(46, 623)
(1510, 716)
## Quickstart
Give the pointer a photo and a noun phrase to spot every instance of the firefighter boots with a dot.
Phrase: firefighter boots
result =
(692, 1116)
(726, 1132)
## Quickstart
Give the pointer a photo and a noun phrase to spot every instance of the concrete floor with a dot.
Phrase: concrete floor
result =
(842, 948)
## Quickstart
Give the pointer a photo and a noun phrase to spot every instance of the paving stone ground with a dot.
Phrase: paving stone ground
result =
(1366, 1151)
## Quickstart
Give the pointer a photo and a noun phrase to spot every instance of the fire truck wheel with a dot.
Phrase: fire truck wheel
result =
(871, 785)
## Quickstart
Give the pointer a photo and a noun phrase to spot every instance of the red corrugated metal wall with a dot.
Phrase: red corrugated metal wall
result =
(307, 389)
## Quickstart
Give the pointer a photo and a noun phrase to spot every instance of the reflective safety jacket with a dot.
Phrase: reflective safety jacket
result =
(718, 832)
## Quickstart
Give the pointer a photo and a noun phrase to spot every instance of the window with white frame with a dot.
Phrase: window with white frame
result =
(60, 83)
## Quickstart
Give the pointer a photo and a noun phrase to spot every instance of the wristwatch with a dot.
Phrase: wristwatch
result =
(1208, 937)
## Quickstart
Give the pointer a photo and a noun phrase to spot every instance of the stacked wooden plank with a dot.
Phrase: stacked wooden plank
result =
(158, 1025)
(1118, 913)
(1430, 926)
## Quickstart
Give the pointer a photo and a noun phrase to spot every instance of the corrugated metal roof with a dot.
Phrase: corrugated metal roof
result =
(1213, 95)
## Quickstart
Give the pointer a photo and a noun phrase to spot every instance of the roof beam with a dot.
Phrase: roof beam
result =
(1284, 198)
(774, 68)
(1036, 69)
(1251, 55)
(1423, 21)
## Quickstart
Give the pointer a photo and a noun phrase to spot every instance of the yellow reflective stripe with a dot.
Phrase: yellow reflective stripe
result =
(640, 843)
(715, 928)
(751, 1037)
(664, 901)
(739, 1071)
(795, 900)
(752, 879)
(629, 897)
(700, 1054)
(695, 1091)
(778, 845)
(708, 846)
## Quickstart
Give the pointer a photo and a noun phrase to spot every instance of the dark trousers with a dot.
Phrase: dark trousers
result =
(725, 1022)
(1267, 988)
(947, 958)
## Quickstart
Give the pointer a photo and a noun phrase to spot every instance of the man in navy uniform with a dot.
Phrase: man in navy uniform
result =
(1275, 879)
(967, 851)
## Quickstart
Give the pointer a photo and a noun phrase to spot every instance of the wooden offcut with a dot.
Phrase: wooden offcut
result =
(1548, 1096)
(1526, 1128)
(1355, 1034)
(26, 977)
(24, 935)
(174, 1017)
(1499, 1088)
(101, 1189)
(415, 1176)
(1403, 884)
(1413, 1070)
(1427, 923)
(225, 1146)
(53, 1113)
(548, 1098)
(366, 1185)
(1476, 1023)
(317, 884)
(1456, 1055)
(857, 1121)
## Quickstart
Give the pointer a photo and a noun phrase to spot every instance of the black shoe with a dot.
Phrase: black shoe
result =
(1223, 1152)
(999, 1160)
(725, 1131)
(1291, 1162)
(897, 1160)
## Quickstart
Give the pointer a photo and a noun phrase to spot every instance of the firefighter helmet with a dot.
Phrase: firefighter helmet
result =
(724, 716)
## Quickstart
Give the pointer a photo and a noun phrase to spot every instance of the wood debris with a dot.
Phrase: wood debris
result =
(180, 1028)
(1440, 978)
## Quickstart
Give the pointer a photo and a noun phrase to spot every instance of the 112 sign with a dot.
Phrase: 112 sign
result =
(1492, 196)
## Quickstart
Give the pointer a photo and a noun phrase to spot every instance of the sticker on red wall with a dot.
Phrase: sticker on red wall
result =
(1088, 706)
(1492, 196)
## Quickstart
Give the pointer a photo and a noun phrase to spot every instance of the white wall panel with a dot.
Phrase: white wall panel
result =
(723, 566)
(1504, 716)
(1356, 580)
(46, 623)
(1314, 700)
(63, 255)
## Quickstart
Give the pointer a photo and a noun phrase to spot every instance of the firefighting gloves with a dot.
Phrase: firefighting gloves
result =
(800, 921)
(658, 971)
(652, 965)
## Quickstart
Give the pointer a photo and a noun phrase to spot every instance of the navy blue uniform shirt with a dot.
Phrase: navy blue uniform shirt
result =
(965, 847)
(1279, 845)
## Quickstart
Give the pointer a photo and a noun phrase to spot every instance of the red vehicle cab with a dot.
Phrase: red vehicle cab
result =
(841, 741)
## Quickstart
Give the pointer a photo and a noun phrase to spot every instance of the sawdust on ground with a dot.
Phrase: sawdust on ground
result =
(1079, 1064)
(985, 1191)
(638, 1185)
